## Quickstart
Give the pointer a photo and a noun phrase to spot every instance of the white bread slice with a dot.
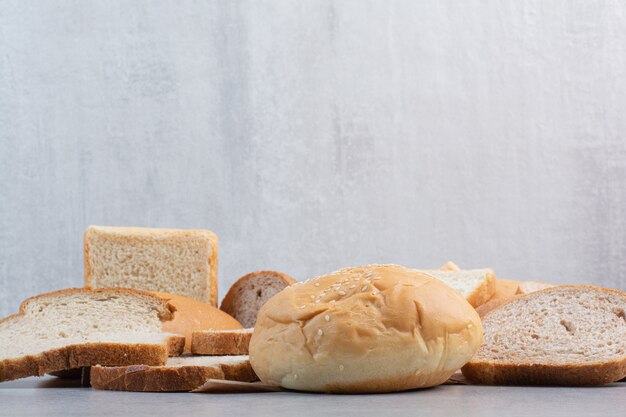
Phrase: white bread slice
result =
(476, 285)
(182, 262)
(246, 296)
(79, 327)
(568, 335)
(184, 373)
(221, 342)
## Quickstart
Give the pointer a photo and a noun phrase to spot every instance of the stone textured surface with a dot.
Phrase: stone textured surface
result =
(314, 135)
(52, 397)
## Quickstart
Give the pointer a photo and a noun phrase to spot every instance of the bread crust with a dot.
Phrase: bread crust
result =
(484, 292)
(175, 345)
(167, 379)
(88, 354)
(541, 374)
(220, 343)
(163, 316)
(493, 304)
(213, 269)
(152, 379)
(375, 328)
(587, 374)
(76, 356)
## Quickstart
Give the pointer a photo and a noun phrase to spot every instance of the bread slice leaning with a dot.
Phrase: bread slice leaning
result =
(80, 327)
(174, 261)
(246, 296)
(476, 285)
(184, 373)
(568, 335)
(221, 342)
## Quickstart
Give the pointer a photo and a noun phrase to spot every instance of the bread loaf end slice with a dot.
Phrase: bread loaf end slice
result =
(246, 296)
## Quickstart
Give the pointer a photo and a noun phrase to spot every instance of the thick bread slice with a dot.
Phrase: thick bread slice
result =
(192, 315)
(221, 342)
(80, 327)
(184, 373)
(476, 285)
(568, 335)
(246, 296)
(174, 261)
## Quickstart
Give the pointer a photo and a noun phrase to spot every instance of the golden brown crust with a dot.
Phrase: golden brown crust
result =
(167, 379)
(154, 379)
(220, 343)
(88, 271)
(540, 374)
(213, 270)
(175, 345)
(76, 356)
(192, 315)
(406, 382)
(484, 292)
(88, 354)
(368, 329)
(163, 316)
(494, 303)
(505, 288)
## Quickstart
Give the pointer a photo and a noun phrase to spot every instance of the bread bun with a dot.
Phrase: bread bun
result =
(376, 328)
(192, 315)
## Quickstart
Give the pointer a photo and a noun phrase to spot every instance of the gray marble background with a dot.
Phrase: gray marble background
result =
(313, 135)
